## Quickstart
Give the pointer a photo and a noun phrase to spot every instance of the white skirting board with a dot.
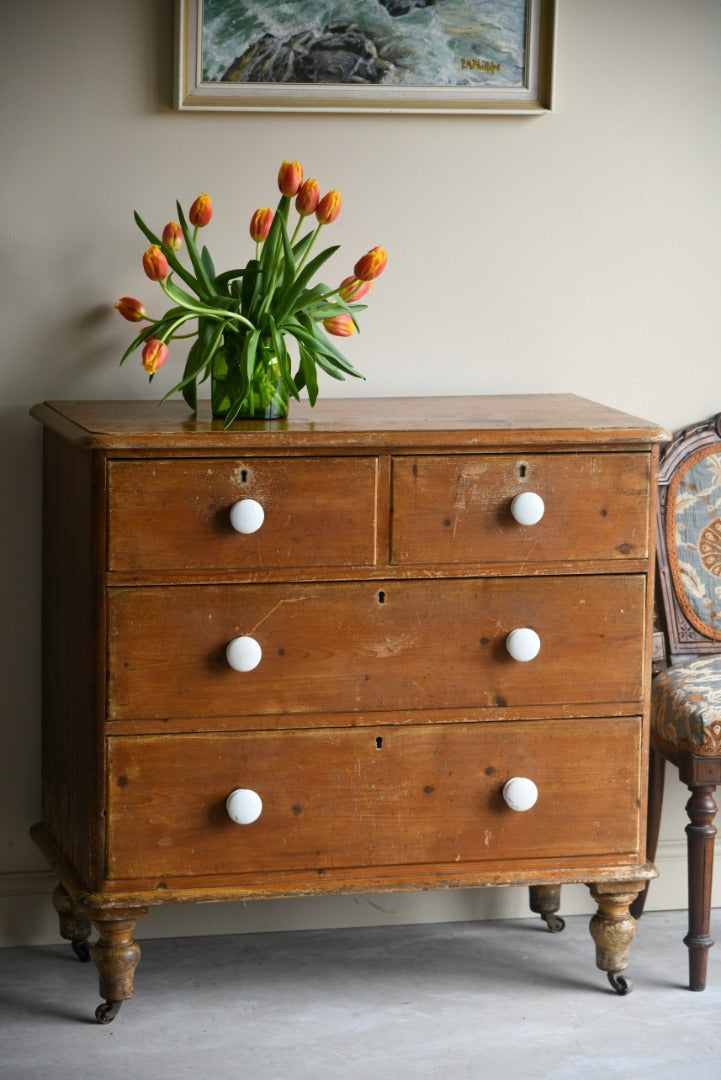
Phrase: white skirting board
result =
(27, 916)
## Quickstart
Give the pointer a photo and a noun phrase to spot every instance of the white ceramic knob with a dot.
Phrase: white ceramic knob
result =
(523, 644)
(527, 508)
(243, 653)
(520, 793)
(246, 516)
(244, 806)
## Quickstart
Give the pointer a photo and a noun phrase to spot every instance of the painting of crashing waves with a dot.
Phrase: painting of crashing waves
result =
(431, 43)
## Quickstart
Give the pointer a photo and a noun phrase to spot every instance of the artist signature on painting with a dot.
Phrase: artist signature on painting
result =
(480, 65)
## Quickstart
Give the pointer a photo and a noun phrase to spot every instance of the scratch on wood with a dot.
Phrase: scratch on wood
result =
(285, 600)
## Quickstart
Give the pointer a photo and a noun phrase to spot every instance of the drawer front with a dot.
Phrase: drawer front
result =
(175, 515)
(372, 797)
(457, 509)
(354, 646)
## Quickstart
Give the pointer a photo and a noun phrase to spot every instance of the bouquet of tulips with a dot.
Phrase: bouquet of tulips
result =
(243, 318)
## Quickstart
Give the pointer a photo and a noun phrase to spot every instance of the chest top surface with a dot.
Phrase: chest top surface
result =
(485, 422)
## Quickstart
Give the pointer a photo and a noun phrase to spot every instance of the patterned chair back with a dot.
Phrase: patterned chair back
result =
(689, 542)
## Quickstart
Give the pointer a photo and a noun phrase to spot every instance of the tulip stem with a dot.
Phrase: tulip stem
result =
(308, 250)
(205, 311)
(297, 229)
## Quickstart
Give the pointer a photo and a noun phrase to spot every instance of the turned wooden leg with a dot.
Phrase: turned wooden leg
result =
(701, 809)
(75, 924)
(545, 900)
(613, 929)
(116, 956)
(657, 769)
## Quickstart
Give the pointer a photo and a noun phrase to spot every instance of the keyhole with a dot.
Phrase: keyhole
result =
(381, 597)
(244, 476)
(522, 470)
(379, 742)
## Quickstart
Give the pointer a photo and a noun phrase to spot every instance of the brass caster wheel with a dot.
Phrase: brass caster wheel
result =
(554, 923)
(81, 949)
(107, 1011)
(620, 983)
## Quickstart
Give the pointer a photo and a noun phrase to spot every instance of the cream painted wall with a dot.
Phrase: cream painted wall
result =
(578, 251)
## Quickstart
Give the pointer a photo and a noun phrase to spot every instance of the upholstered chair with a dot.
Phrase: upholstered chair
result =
(686, 692)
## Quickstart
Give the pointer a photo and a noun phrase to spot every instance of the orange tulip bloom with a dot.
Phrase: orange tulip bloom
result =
(352, 289)
(172, 235)
(201, 211)
(260, 224)
(340, 325)
(155, 264)
(371, 264)
(155, 353)
(290, 177)
(131, 309)
(329, 207)
(307, 198)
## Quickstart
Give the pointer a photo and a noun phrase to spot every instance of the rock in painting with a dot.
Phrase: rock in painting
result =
(402, 7)
(339, 53)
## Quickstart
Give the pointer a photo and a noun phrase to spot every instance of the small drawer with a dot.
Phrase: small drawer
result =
(373, 796)
(460, 508)
(176, 515)
(386, 645)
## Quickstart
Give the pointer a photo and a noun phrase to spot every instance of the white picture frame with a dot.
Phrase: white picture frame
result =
(525, 87)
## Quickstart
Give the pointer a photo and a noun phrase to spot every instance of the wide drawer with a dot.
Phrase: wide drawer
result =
(354, 646)
(378, 796)
(457, 509)
(175, 515)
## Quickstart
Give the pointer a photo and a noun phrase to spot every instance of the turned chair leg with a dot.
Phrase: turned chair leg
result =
(701, 809)
(656, 773)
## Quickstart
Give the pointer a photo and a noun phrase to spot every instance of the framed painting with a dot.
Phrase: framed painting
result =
(405, 56)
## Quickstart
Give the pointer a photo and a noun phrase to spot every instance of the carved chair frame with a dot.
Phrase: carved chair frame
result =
(682, 640)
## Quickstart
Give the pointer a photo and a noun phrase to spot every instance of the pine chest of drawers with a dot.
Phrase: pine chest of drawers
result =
(382, 645)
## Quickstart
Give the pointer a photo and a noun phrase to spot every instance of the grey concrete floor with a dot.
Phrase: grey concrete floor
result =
(480, 1000)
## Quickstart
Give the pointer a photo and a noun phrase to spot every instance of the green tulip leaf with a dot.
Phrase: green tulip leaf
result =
(288, 258)
(330, 368)
(207, 261)
(300, 249)
(229, 276)
(250, 348)
(317, 342)
(250, 289)
(292, 294)
(190, 390)
(310, 375)
(283, 357)
(269, 255)
(200, 360)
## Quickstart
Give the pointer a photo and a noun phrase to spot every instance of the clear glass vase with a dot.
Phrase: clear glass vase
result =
(267, 398)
